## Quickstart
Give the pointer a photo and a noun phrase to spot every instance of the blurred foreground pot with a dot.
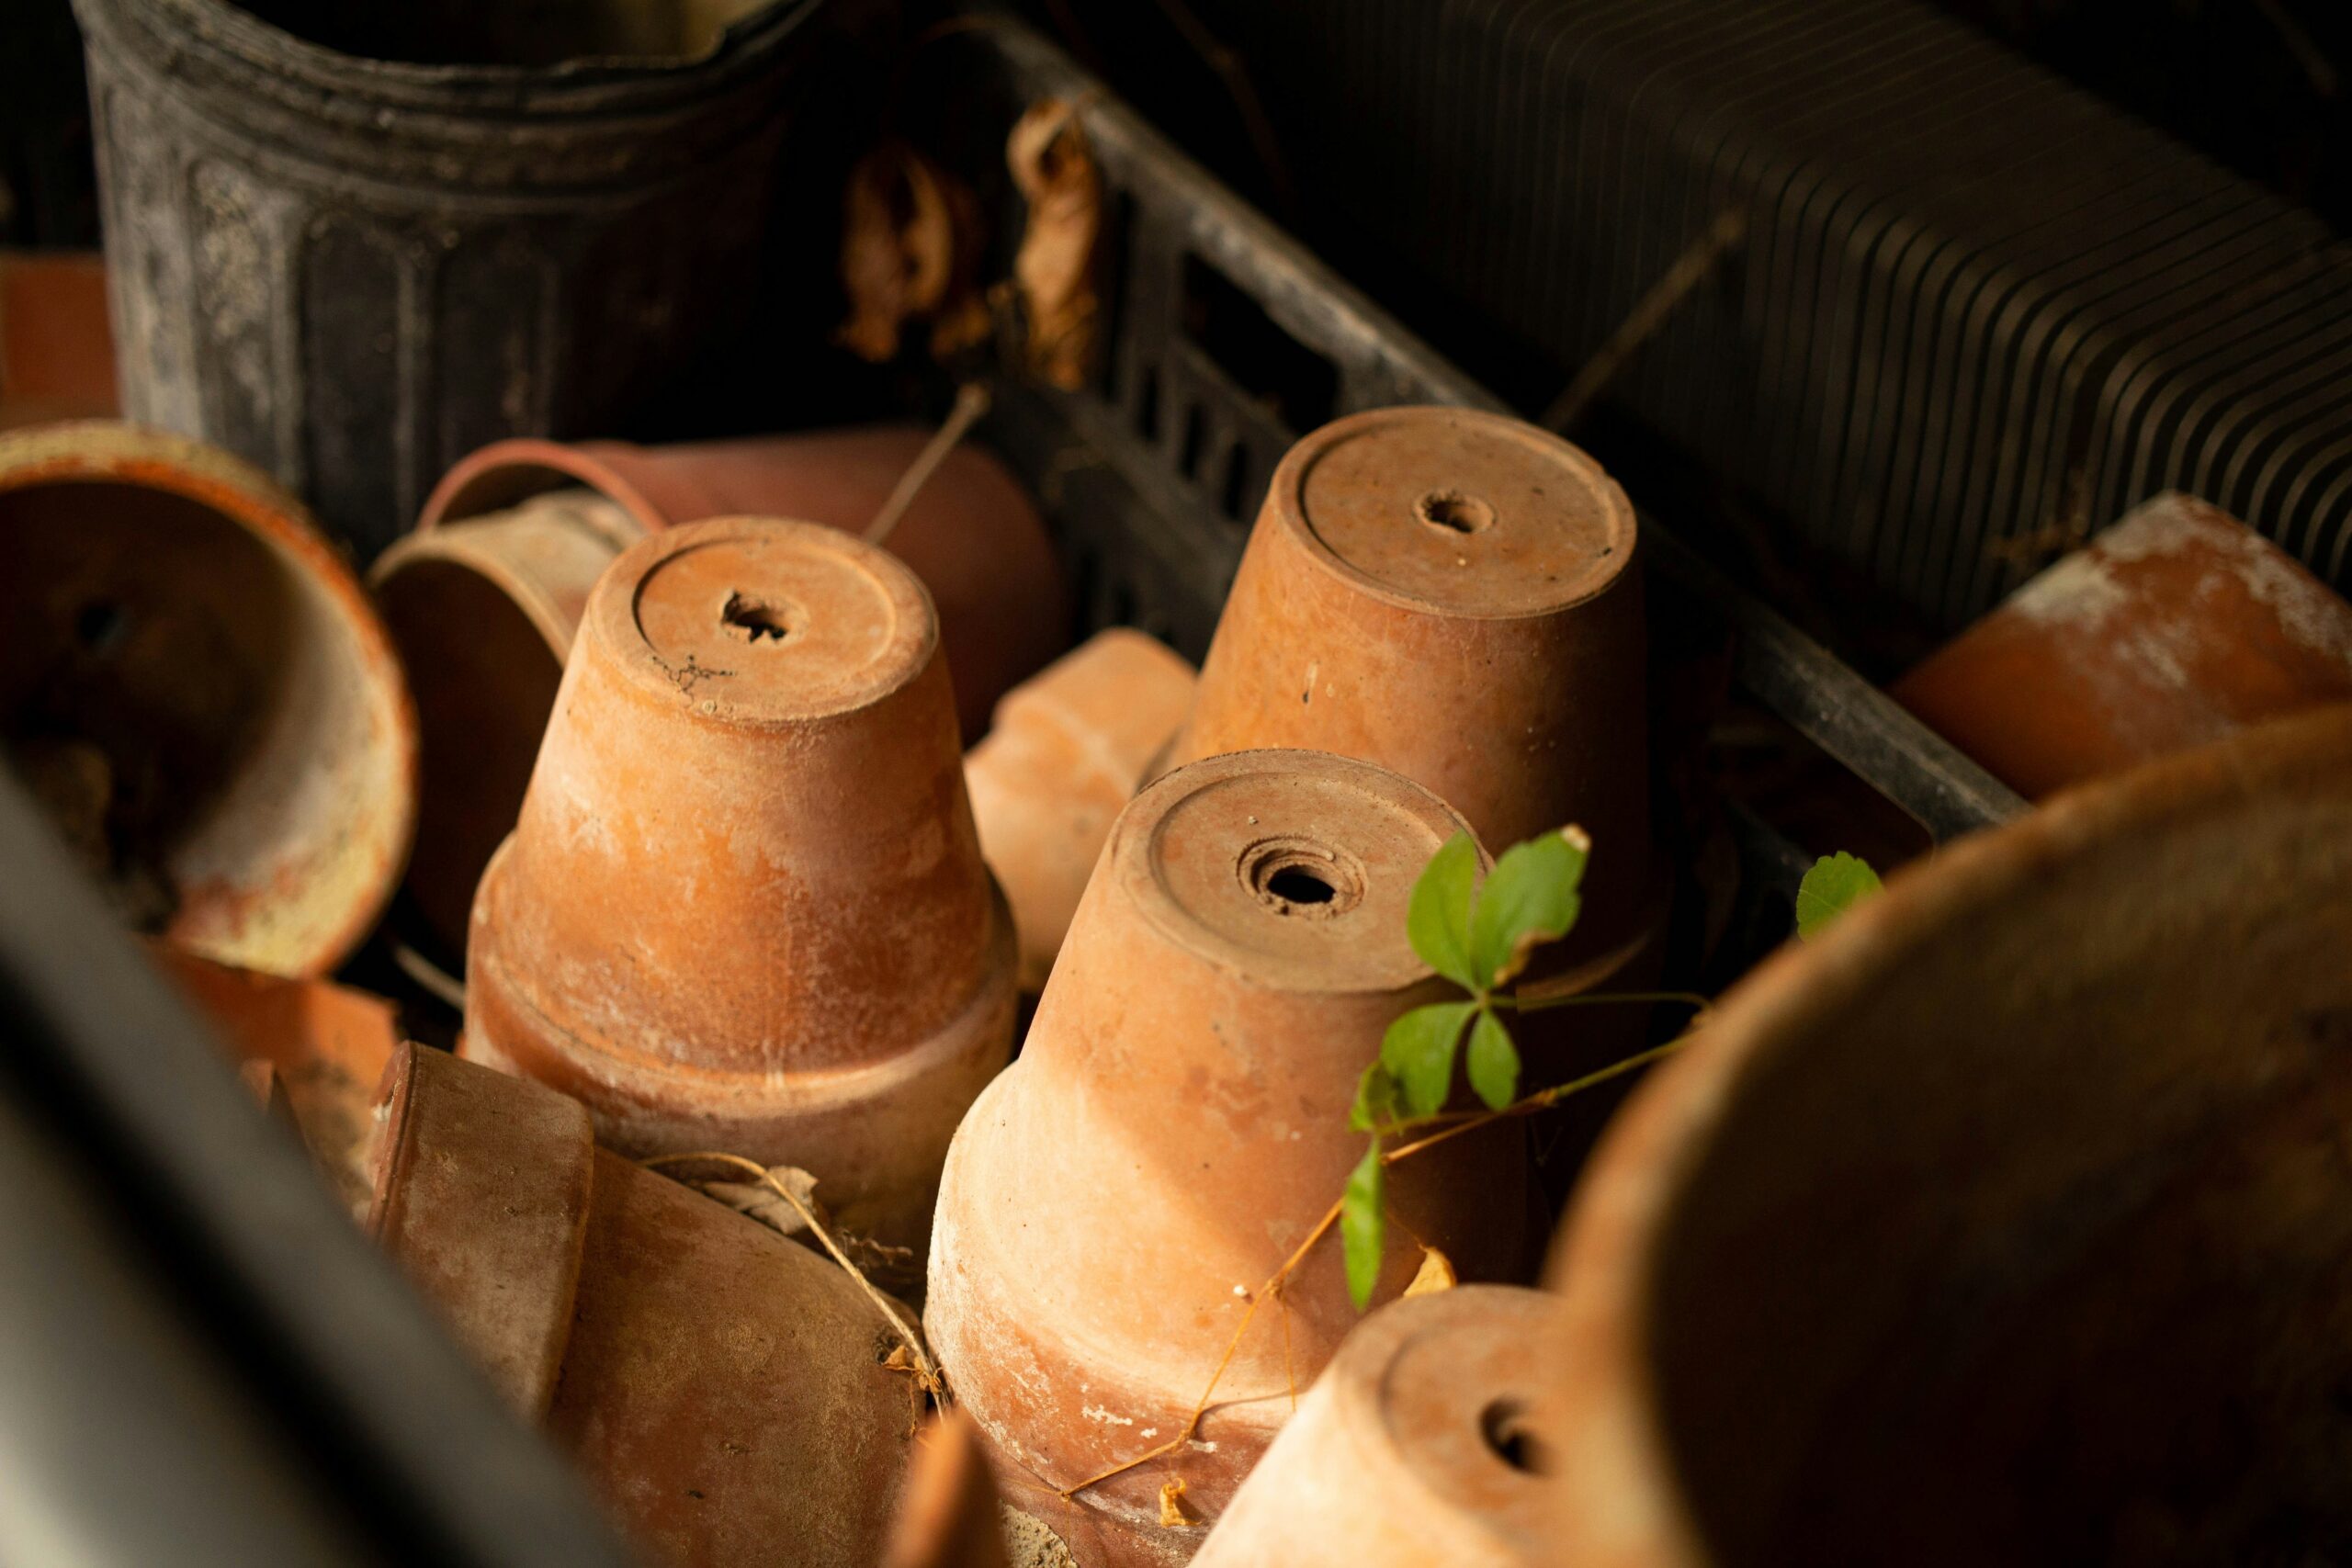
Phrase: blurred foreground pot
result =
(1175, 1128)
(2169, 630)
(717, 1383)
(484, 598)
(948, 1514)
(195, 687)
(744, 908)
(325, 1046)
(1066, 752)
(2008, 1222)
(1453, 595)
(1411, 1450)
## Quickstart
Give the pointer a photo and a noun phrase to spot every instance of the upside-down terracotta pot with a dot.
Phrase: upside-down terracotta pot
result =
(1454, 595)
(744, 908)
(1177, 1125)
(2171, 629)
(1064, 756)
(718, 1385)
(484, 598)
(195, 688)
(2009, 1220)
(1411, 1450)
(324, 1047)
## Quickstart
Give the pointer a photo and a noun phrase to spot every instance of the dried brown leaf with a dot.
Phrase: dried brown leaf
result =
(1435, 1274)
(761, 1201)
(911, 247)
(1175, 1514)
(1054, 270)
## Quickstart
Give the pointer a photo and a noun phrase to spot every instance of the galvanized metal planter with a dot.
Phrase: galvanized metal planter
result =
(354, 272)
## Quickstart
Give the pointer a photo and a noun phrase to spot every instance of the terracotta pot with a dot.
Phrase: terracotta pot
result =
(1454, 595)
(1068, 750)
(56, 347)
(483, 613)
(1176, 1126)
(716, 1383)
(2007, 1222)
(972, 534)
(484, 599)
(325, 1047)
(948, 1514)
(197, 691)
(744, 908)
(2173, 628)
(1410, 1449)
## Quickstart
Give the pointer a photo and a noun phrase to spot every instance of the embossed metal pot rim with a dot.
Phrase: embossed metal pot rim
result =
(215, 38)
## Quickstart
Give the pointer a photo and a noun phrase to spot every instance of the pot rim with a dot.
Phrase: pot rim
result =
(122, 452)
(224, 34)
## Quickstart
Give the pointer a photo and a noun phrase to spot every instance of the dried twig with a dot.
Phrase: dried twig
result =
(1649, 313)
(926, 1373)
(971, 402)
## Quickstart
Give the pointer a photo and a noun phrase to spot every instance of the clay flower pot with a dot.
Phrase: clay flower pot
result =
(716, 1383)
(484, 599)
(324, 1046)
(2005, 1222)
(1410, 1449)
(194, 686)
(2171, 629)
(1453, 595)
(1176, 1126)
(1068, 750)
(948, 1514)
(744, 908)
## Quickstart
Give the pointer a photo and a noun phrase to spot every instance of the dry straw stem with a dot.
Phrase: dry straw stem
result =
(925, 1372)
(1463, 1122)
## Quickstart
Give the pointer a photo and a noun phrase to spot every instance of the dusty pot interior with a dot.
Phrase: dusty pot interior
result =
(530, 33)
(194, 689)
(2010, 1223)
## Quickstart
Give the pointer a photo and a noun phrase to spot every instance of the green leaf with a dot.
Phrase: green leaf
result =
(1529, 897)
(1375, 1099)
(1836, 884)
(1493, 1062)
(1437, 918)
(1418, 1051)
(1363, 1226)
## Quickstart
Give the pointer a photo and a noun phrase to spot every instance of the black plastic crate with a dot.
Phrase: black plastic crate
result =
(1225, 338)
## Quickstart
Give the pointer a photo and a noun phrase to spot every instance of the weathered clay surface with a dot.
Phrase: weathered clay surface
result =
(1454, 595)
(2008, 1222)
(1068, 750)
(325, 1047)
(1412, 1448)
(484, 598)
(744, 908)
(720, 1386)
(1175, 1128)
(2173, 628)
(194, 686)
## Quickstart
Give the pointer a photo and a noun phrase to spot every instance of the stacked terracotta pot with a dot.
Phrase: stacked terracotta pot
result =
(1175, 1128)
(1456, 596)
(484, 598)
(744, 908)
